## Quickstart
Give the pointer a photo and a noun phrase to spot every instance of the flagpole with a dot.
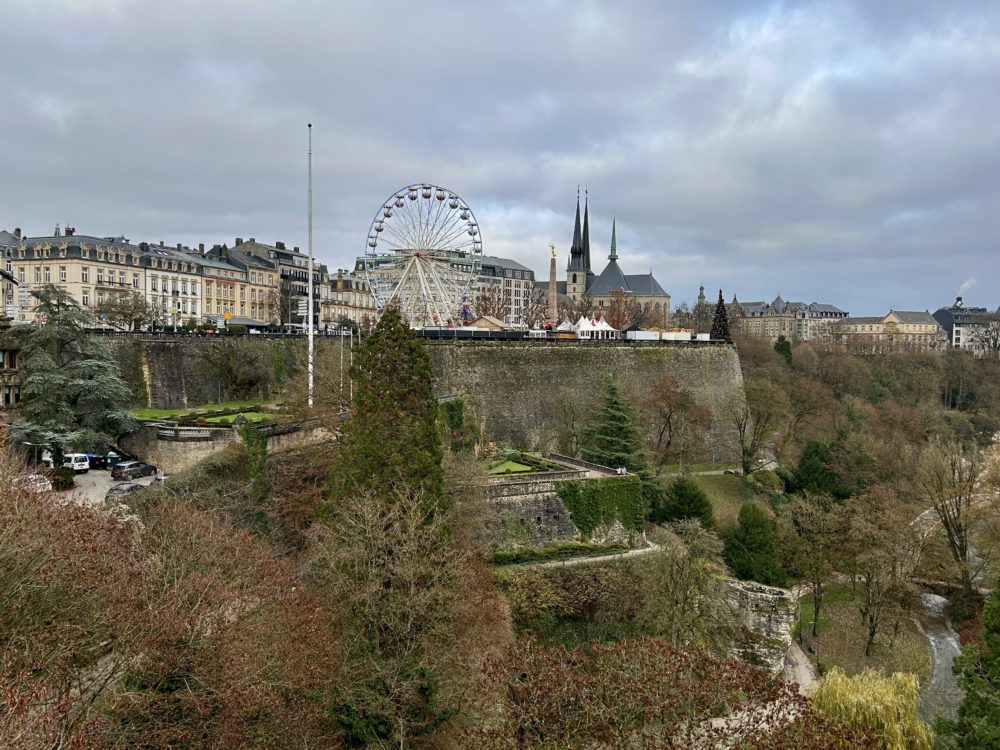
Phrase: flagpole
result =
(310, 367)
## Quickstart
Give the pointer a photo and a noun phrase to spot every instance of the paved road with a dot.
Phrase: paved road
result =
(91, 487)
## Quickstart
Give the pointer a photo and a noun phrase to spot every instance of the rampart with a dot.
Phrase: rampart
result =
(531, 395)
(537, 396)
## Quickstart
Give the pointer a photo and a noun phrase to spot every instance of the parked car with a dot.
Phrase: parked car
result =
(133, 470)
(125, 488)
(78, 462)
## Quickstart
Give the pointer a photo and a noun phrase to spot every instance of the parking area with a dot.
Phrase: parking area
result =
(91, 487)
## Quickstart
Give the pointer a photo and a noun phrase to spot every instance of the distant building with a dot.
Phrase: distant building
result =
(514, 283)
(898, 331)
(796, 321)
(8, 292)
(293, 272)
(641, 289)
(350, 298)
(961, 324)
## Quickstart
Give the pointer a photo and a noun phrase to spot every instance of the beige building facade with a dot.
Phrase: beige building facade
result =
(898, 331)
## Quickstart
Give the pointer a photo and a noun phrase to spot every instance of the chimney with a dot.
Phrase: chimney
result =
(161, 244)
(70, 231)
(253, 239)
(178, 247)
(201, 248)
(238, 242)
(17, 232)
(296, 248)
(279, 245)
(340, 280)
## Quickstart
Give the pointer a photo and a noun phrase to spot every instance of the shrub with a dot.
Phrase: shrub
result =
(683, 499)
(751, 547)
(63, 478)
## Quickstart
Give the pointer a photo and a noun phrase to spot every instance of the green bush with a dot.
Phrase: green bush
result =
(768, 481)
(683, 499)
(454, 413)
(593, 503)
(63, 478)
(751, 547)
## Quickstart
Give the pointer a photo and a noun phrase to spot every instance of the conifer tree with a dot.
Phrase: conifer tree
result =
(684, 499)
(720, 323)
(390, 443)
(978, 669)
(73, 395)
(751, 547)
(612, 438)
(784, 347)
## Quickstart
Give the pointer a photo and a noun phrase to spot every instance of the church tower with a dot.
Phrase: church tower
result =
(578, 272)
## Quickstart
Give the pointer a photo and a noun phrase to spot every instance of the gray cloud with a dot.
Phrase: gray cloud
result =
(837, 151)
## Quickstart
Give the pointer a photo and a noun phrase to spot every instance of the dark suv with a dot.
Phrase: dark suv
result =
(133, 470)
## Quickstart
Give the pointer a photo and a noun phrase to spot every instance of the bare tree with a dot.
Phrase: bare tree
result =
(948, 478)
(617, 312)
(679, 424)
(493, 301)
(536, 309)
(128, 312)
(754, 419)
(986, 334)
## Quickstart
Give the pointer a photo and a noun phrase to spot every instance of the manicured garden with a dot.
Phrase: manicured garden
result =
(222, 413)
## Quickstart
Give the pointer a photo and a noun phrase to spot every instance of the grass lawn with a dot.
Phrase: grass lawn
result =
(727, 493)
(842, 638)
(512, 467)
(148, 414)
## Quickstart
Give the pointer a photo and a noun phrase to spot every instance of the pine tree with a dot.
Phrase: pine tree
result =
(390, 443)
(784, 347)
(73, 395)
(684, 499)
(612, 438)
(978, 669)
(720, 323)
(751, 547)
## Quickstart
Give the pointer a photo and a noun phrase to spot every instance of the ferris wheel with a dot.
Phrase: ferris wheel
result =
(423, 254)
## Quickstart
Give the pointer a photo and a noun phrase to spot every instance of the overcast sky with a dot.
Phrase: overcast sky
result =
(830, 151)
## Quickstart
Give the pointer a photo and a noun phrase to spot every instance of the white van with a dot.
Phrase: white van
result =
(78, 462)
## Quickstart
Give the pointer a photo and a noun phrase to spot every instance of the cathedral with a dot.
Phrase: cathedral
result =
(642, 289)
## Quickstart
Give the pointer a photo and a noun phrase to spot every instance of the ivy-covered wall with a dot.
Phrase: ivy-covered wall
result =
(597, 503)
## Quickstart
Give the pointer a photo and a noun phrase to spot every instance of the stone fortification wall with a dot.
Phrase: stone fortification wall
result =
(528, 513)
(536, 396)
(530, 395)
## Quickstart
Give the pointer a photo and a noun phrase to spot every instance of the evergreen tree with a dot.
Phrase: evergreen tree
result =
(684, 499)
(72, 393)
(814, 474)
(390, 442)
(978, 670)
(612, 438)
(720, 323)
(784, 347)
(751, 547)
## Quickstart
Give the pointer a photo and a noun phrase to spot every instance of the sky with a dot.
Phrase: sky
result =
(839, 152)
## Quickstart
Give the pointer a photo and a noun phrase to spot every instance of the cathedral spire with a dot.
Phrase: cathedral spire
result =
(576, 249)
(586, 231)
(614, 240)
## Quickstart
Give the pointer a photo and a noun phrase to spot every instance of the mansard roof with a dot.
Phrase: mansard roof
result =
(645, 285)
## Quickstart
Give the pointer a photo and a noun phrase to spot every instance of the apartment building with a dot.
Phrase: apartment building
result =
(173, 284)
(90, 269)
(293, 276)
(350, 297)
(796, 321)
(257, 292)
(964, 324)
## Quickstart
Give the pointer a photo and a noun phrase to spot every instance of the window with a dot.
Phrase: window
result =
(85, 296)
(20, 275)
(121, 278)
(85, 274)
(135, 281)
(100, 298)
(38, 275)
(184, 287)
(153, 284)
(100, 275)
(62, 273)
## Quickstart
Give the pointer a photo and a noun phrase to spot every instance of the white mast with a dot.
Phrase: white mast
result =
(310, 243)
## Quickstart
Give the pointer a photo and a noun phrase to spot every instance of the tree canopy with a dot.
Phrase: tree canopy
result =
(684, 499)
(751, 548)
(612, 437)
(72, 394)
(390, 442)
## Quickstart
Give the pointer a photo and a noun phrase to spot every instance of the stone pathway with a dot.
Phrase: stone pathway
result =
(800, 670)
(571, 561)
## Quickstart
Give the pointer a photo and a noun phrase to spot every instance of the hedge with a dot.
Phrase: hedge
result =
(593, 503)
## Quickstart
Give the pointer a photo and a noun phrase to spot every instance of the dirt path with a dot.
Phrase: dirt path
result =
(571, 561)
(800, 670)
